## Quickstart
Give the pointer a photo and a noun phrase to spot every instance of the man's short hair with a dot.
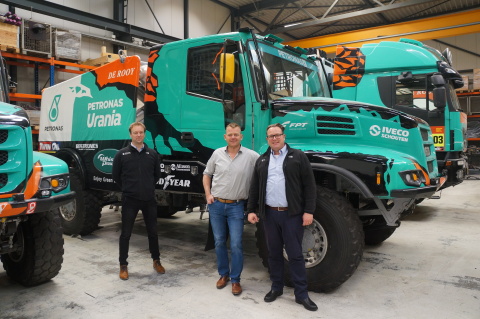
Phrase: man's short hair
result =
(233, 125)
(276, 125)
(136, 124)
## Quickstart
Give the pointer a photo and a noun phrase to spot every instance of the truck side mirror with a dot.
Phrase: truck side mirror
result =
(438, 80)
(440, 97)
(227, 68)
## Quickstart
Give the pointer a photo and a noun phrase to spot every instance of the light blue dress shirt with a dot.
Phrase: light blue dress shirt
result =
(276, 195)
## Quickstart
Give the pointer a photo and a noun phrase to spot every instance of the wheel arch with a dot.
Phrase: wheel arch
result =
(346, 175)
(73, 159)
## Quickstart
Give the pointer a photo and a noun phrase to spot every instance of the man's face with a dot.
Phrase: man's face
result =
(275, 138)
(137, 134)
(233, 136)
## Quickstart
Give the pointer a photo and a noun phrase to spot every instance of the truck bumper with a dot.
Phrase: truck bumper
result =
(36, 205)
(421, 192)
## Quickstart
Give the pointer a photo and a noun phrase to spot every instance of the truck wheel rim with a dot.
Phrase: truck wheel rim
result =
(68, 211)
(314, 244)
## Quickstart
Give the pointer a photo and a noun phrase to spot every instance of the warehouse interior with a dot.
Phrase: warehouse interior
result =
(428, 268)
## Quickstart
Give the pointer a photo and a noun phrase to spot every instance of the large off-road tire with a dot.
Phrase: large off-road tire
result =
(81, 216)
(40, 256)
(377, 232)
(167, 211)
(333, 245)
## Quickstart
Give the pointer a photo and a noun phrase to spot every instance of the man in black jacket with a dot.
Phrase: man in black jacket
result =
(136, 169)
(283, 193)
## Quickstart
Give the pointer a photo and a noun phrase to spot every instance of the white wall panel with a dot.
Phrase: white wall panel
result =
(205, 17)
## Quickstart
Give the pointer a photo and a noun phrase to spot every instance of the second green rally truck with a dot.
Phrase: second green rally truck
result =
(405, 75)
(370, 162)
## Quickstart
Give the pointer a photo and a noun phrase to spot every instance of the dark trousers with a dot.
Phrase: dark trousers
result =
(284, 230)
(130, 208)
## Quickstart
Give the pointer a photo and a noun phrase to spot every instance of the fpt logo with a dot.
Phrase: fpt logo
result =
(294, 125)
(53, 112)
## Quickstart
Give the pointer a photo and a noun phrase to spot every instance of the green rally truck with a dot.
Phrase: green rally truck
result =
(32, 187)
(370, 162)
(408, 75)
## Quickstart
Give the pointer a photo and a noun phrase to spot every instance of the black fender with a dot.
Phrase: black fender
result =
(347, 175)
(68, 155)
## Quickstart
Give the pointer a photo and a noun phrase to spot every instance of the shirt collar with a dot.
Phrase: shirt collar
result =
(139, 150)
(239, 150)
(281, 151)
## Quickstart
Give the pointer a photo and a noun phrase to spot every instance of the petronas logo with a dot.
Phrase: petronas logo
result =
(53, 113)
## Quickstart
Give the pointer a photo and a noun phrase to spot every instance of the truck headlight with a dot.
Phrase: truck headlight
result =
(55, 183)
(413, 177)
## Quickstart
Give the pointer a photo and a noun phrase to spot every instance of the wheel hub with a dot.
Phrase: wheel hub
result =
(314, 244)
(68, 211)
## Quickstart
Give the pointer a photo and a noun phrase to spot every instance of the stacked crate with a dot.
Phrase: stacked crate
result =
(9, 37)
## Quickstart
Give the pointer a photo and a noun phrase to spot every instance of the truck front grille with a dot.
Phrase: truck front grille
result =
(335, 125)
(14, 158)
(3, 136)
(425, 134)
(3, 180)
(3, 157)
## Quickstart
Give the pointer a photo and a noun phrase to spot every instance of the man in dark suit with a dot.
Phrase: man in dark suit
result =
(283, 193)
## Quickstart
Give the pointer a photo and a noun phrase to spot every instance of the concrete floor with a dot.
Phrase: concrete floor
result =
(429, 268)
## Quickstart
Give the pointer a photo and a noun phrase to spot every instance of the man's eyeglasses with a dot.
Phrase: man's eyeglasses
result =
(274, 136)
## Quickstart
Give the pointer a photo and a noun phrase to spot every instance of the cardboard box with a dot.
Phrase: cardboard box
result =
(476, 79)
(103, 59)
(67, 45)
(8, 35)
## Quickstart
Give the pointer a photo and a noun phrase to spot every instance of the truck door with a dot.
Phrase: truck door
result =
(210, 105)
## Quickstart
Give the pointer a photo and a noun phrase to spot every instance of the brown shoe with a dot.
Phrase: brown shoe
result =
(236, 288)
(222, 282)
(158, 266)
(123, 272)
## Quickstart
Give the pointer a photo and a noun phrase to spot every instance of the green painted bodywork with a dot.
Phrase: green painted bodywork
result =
(204, 117)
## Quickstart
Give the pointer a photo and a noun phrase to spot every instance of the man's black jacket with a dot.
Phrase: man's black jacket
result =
(136, 172)
(299, 183)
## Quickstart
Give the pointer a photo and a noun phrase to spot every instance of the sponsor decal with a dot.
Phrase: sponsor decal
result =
(86, 147)
(389, 133)
(438, 135)
(294, 125)
(31, 207)
(49, 146)
(53, 112)
(103, 160)
(170, 180)
(100, 179)
(2, 207)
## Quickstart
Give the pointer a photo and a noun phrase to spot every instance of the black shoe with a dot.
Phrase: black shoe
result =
(272, 295)
(307, 303)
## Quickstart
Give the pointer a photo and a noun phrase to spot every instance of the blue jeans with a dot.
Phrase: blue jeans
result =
(227, 220)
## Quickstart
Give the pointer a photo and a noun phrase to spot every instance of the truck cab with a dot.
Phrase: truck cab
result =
(410, 76)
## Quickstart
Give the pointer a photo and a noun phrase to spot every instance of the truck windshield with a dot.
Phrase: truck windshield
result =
(286, 74)
(414, 94)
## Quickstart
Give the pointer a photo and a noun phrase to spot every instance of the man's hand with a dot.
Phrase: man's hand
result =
(253, 218)
(307, 219)
(210, 199)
